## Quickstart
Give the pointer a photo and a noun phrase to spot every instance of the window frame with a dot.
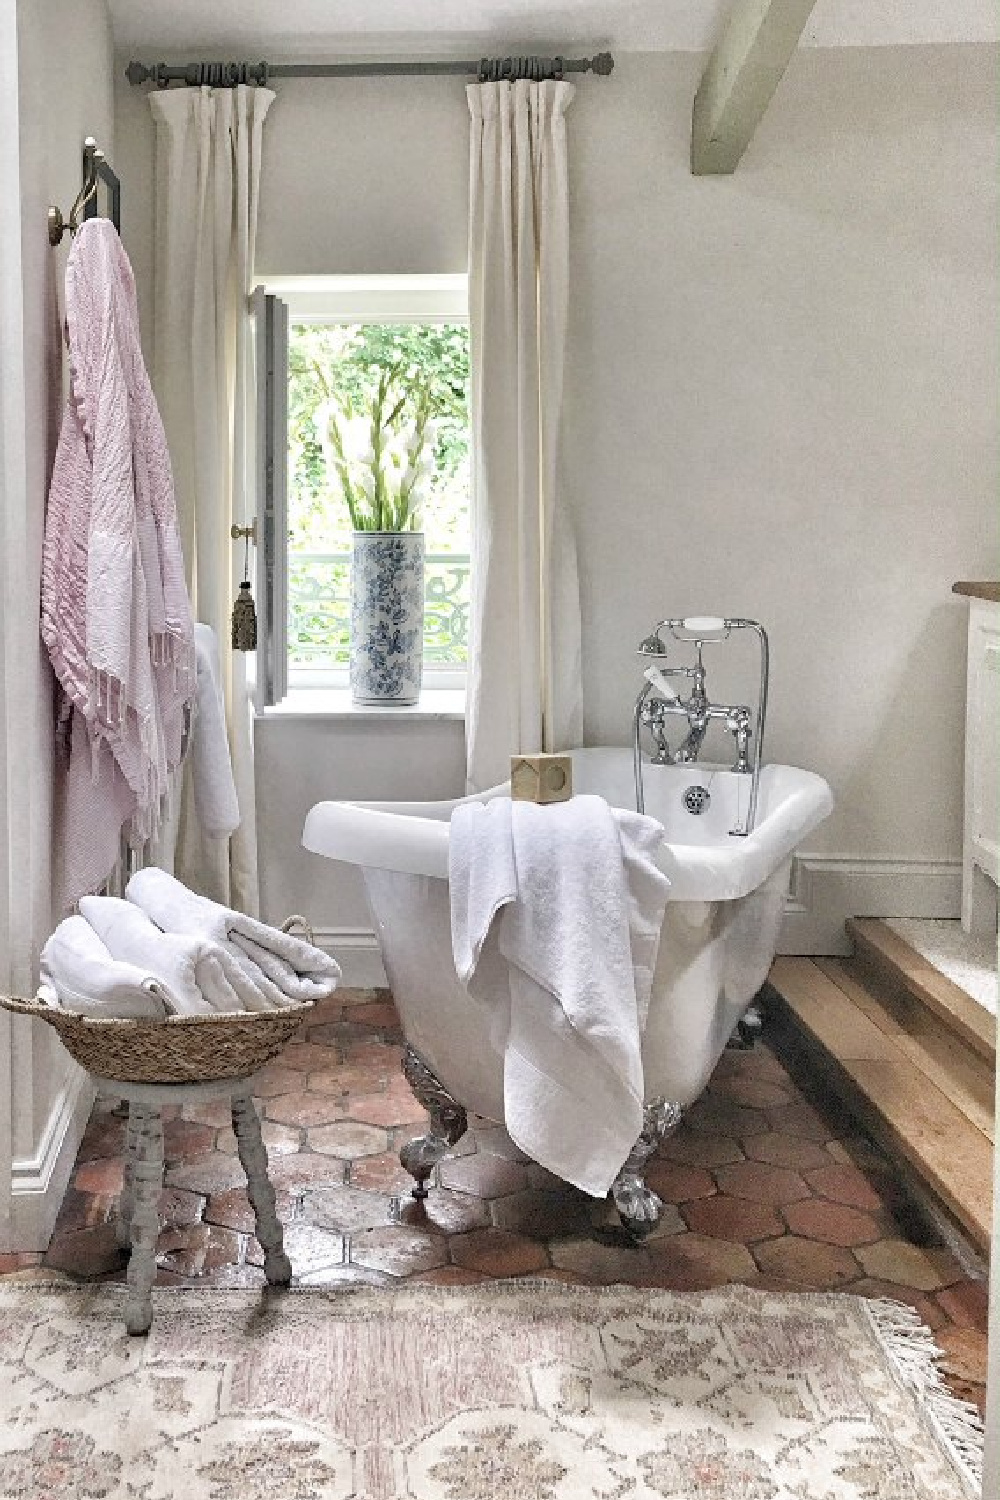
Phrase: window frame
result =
(388, 299)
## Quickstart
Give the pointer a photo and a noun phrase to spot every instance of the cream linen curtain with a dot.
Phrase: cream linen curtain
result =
(208, 152)
(525, 690)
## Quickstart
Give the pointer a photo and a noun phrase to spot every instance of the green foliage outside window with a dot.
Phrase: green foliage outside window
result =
(338, 370)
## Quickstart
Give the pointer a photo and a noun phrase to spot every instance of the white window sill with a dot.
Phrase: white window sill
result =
(336, 703)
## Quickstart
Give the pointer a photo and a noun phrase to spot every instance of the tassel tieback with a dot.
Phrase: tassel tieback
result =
(244, 620)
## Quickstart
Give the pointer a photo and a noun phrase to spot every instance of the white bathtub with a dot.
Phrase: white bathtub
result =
(719, 933)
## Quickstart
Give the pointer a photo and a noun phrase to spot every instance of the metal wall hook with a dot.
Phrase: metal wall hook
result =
(93, 161)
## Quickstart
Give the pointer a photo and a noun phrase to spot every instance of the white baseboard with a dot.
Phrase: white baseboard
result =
(357, 951)
(39, 1182)
(827, 889)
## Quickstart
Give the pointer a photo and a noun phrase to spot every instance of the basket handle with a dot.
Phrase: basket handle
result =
(24, 1007)
(296, 921)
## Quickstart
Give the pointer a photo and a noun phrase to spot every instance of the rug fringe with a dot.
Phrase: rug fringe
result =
(909, 1344)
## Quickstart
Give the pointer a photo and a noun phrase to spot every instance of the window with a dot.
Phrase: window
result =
(334, 340)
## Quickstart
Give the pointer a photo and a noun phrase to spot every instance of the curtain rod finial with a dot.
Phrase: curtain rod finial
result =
(603, 64)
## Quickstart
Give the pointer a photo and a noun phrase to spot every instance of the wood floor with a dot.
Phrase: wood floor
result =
(911, 1054)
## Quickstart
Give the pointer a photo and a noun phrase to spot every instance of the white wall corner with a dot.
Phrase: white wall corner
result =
(827, 889)
(357, 951)
(39, 1182)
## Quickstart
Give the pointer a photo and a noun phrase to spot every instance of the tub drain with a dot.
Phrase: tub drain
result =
(697, 799)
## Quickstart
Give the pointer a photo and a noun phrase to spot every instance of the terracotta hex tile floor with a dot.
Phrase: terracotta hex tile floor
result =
(761, 1185)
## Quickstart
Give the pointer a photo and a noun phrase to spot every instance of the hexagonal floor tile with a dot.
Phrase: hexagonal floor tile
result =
(756, 1093)
(833, 1223)
(191, 1249)
(699, 1149)
(303, 1108)
(86, 1252)
(720, 1116)
(276, 1079)
(348, 1139)
(183, 1140)
(778, 1149)
(347, 1210)
(399, 1250)
(384, 1172)
(908, 1265)
(697, 1260)
(306, 1057)
(280, 1140)
(678, 1183)
(541, 1215)
(498, 1252)
(819, 1267)
(761, 1183)
(388, 1109)
(845, 1183)
(444, 1212)
(308, 1248)
(737, 1219)
(967, 1304)
(213, 1173)
(233, 1210)
(486, 1176)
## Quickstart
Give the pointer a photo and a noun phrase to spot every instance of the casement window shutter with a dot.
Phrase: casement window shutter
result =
(271, 349)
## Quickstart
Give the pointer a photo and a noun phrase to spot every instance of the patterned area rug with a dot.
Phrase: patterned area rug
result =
(529, 1391)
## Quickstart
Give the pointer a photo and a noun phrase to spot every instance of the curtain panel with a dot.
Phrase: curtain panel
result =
(525, 690)
(208, 155)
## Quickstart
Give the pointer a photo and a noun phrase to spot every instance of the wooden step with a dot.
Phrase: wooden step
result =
(891, 958)
(923, 1095)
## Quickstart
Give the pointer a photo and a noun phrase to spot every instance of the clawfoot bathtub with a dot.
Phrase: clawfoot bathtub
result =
(718, 939)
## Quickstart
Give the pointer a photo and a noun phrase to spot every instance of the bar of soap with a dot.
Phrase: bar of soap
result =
(541, 778)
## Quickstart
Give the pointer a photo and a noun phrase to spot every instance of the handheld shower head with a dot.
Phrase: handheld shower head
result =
(652, 646)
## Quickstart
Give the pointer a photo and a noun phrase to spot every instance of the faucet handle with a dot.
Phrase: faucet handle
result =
(657, 677)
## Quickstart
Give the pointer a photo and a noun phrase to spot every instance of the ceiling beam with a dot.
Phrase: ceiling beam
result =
(739, 82)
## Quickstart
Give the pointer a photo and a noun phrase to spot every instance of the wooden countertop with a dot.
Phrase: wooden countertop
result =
(990, 591)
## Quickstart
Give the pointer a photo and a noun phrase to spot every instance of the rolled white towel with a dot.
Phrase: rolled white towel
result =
(79, 974)
(200, 976)
(298, 969)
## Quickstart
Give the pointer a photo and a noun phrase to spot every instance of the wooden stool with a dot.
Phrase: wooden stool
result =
(139, 1223)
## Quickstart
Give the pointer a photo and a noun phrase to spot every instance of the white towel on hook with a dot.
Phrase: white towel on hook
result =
(79, 974)
(215, 799)
(570, 898)
(199, 976)
(296, 969)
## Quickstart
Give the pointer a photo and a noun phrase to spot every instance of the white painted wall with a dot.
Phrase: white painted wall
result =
(60, 93)
(780, 403)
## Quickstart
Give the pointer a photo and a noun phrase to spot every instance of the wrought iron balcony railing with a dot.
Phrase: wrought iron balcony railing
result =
(319, 609)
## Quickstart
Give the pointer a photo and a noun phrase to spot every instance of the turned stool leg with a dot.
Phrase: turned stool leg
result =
(147, 1182)
(126, 1203)
(253, 1155)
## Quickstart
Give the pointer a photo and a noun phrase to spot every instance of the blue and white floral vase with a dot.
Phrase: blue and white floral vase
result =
(387, 616)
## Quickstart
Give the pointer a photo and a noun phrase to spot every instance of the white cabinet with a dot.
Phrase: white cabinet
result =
(981, 844)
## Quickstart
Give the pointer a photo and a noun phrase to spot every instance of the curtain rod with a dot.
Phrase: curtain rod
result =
(487, 70)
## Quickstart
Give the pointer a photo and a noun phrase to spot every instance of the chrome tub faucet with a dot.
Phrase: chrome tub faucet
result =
(659, 702)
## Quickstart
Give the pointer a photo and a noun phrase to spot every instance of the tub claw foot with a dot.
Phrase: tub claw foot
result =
(748, 1029)
(638, 1206)
(448, 1123)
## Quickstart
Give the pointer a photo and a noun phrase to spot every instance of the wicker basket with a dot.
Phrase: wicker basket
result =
(181, 1049)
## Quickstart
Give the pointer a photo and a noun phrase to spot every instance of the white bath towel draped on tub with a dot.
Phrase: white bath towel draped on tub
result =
(567, 902)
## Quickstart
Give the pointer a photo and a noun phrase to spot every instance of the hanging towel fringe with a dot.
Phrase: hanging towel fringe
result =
(910, 1347)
